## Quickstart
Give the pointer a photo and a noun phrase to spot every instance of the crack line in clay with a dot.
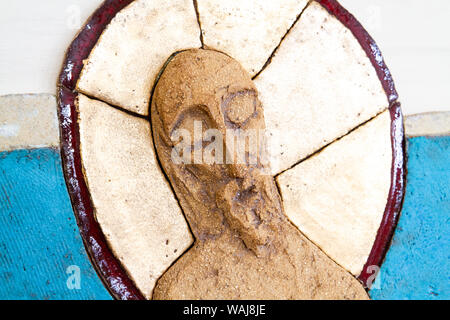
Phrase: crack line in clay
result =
(269, 60)
(329, 144)
(128, 112)
(197, 12)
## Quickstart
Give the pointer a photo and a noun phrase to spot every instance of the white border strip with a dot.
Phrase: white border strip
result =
(28, 121)
(428, 124)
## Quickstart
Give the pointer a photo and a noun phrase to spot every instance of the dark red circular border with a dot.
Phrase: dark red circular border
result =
(108, 267)
(398, 170)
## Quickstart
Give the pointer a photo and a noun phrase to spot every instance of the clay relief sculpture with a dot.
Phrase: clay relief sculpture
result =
(245, 246)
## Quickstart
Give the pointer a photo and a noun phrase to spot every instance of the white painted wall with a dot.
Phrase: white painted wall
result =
(34, 37)
(412, 34)
(414, 38)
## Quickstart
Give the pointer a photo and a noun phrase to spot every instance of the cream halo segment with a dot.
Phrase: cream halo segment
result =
(249, 31)
(124, 63)
(134, 204)
(319, 86)
(337, 197)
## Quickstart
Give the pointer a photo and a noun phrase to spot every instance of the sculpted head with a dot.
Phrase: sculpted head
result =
(207, 89)
(205, 95)
(234, 209)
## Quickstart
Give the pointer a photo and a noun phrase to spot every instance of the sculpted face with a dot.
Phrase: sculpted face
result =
(208, 89)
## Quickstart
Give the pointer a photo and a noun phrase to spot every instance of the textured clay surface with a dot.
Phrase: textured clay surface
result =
(245, 246)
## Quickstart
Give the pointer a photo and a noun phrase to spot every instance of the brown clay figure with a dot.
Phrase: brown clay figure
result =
(245, 247)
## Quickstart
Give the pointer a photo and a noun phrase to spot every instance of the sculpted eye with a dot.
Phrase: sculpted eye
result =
(192, 117)
(239, 107)
(192, 124)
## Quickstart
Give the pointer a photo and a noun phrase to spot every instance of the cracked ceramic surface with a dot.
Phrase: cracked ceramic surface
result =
(319, 85)
(249, 31)
(123, 65)
(338, 196)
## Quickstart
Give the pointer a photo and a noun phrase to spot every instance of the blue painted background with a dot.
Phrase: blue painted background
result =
(40, 241)
(417, 265)
(39, 238)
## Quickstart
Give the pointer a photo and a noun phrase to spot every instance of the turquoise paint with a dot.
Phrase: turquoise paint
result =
(39, 239)
(417, 265)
